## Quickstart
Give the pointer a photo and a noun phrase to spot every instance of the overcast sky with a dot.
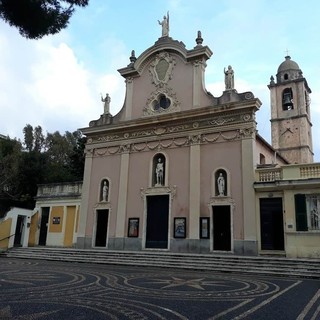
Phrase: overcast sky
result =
(56, 82)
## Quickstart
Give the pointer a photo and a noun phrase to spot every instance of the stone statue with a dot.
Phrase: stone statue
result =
(106, 101)
(229, 78)
(221, 185)
(105, 190)
(165, 25)
(159, 173)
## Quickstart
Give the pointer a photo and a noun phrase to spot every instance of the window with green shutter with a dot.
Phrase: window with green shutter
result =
(301, 212)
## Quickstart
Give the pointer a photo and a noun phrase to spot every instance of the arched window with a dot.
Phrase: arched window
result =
(104, 190)
(221, 183)
(287, 99)
(158, 170)
(262, 159)
(286, 77)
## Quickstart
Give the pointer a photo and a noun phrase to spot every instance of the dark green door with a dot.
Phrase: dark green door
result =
(157, 221)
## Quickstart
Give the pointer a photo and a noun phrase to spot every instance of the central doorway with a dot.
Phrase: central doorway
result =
(271, 224)
(157, 221)
(221, 228)
(102, 228)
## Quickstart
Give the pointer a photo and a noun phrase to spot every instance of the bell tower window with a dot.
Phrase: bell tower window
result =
(287, 99)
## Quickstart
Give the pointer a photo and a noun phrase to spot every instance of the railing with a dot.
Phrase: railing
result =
(310, 171)
(8, 237)
(266, 175)
(288, 172)
(60, 189)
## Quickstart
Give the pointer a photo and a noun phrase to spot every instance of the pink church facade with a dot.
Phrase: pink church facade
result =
(174, 169)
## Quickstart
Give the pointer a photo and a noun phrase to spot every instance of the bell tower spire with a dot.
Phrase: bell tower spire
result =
(290, 113)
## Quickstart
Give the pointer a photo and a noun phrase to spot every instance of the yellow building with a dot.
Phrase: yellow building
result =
(57, 207)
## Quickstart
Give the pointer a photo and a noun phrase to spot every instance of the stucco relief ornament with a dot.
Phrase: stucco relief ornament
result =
(162, 100)
(161, 69)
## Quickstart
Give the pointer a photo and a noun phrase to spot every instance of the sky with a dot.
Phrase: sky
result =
(56, 82)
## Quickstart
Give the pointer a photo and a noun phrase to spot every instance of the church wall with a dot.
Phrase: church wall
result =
(139, 171)
(103, 167)
(179, 175)
(181, 81)
(269, 154)
(227, 156)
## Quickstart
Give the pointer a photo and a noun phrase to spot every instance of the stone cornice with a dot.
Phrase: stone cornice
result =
(214, 122)
(182, 139)
(214, 112)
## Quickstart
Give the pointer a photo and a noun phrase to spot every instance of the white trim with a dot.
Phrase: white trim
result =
(155, 192)
(219, 201)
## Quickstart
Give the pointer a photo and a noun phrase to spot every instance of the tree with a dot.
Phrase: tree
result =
(51, 159)
(37, 18)
(10, 151)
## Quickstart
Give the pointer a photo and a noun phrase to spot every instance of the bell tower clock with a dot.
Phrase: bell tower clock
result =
(290, 113)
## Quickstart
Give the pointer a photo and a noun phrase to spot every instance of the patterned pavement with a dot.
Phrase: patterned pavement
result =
(31, 289)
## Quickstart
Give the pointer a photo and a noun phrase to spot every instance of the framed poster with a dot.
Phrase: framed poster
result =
(204, 228)
(133, 227)
(179, 227)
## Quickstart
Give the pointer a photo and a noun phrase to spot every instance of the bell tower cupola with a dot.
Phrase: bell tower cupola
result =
(290, 113)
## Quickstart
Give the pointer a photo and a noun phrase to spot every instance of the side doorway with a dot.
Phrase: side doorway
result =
(101, 227)
(221, 217)
(19, 231)
(44, 226)
(271, 224)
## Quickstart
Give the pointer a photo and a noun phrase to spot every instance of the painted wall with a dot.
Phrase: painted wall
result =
(5, 232)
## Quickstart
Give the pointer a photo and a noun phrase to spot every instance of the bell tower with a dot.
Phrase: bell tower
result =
(290, 113)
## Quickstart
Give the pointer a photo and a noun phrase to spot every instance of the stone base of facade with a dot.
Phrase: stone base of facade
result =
(84, 242)
(245, 247)
(240, 247)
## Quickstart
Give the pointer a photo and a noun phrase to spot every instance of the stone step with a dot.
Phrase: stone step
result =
(223, 263)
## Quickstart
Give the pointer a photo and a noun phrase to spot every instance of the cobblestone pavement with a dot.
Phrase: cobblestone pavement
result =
(31, 289)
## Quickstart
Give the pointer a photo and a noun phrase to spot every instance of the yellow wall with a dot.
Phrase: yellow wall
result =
(69, 229)
(56, 212)
(33, 229)
(5, 228)
(303, 245)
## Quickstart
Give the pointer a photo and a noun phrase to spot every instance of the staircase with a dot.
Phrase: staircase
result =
(306, 268)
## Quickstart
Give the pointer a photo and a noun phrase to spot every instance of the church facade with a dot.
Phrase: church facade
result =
(175, 168)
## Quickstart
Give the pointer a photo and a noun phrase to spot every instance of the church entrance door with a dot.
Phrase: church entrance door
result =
(221, 228)
(271, 224)
(102, 228)
(157, 221)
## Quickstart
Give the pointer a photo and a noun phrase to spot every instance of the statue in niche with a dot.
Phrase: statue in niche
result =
(105, 191)
(229, 78)
(159, 173)
(221, 184)
(106, 100)
(165, 25)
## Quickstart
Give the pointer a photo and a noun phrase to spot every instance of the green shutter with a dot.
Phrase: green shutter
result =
(301, 212)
